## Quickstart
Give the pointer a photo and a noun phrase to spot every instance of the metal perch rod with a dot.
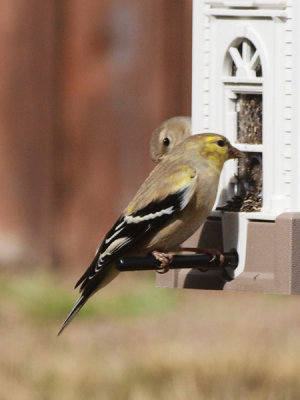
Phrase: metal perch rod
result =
(179, 261)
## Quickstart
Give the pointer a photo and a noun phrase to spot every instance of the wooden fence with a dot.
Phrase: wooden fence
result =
(83, 84)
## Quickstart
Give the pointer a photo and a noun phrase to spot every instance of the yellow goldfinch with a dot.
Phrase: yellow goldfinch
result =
(168, 208)
(167, 135)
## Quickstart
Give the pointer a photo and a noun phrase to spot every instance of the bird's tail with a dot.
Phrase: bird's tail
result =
(77, 306)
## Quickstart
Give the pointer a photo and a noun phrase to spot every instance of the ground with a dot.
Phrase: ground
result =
(137, 342)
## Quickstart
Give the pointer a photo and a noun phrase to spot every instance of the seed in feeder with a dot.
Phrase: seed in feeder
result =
(249, 180)
(249, 118)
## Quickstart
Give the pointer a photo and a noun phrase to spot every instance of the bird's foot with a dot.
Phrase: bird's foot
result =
(213, 252)
(165, 259)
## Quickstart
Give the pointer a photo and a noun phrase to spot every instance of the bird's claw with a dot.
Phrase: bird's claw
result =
(165, 259)
(214, 253)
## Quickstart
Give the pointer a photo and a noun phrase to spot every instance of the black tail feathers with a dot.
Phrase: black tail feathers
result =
(77, 306)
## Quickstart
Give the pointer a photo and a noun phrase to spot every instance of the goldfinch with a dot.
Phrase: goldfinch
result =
(167, 135)
(168, 208)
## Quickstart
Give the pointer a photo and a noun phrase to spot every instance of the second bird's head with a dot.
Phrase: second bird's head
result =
(168, 135)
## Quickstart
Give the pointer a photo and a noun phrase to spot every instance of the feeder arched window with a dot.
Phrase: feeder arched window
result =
(243, 87)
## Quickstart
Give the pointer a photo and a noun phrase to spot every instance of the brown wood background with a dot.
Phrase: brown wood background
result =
(83, 85)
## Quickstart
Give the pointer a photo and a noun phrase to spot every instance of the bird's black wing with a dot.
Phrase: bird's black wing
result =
(127, 232)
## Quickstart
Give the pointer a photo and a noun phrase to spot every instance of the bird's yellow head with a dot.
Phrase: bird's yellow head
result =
(213, 147)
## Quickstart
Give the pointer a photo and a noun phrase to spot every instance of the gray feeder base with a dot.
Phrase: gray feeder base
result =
(272, 259)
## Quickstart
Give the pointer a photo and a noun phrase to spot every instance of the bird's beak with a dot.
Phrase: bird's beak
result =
(233, 152)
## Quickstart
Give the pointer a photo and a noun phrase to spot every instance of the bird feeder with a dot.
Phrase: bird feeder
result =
(246, 85)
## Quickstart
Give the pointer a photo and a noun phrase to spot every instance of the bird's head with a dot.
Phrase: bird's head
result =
(213, 147)
(168, 135)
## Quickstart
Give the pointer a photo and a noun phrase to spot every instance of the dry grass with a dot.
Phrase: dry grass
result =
(175, 345)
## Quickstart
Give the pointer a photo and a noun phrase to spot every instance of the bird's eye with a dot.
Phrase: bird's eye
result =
(166, 141)
(221, 143)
